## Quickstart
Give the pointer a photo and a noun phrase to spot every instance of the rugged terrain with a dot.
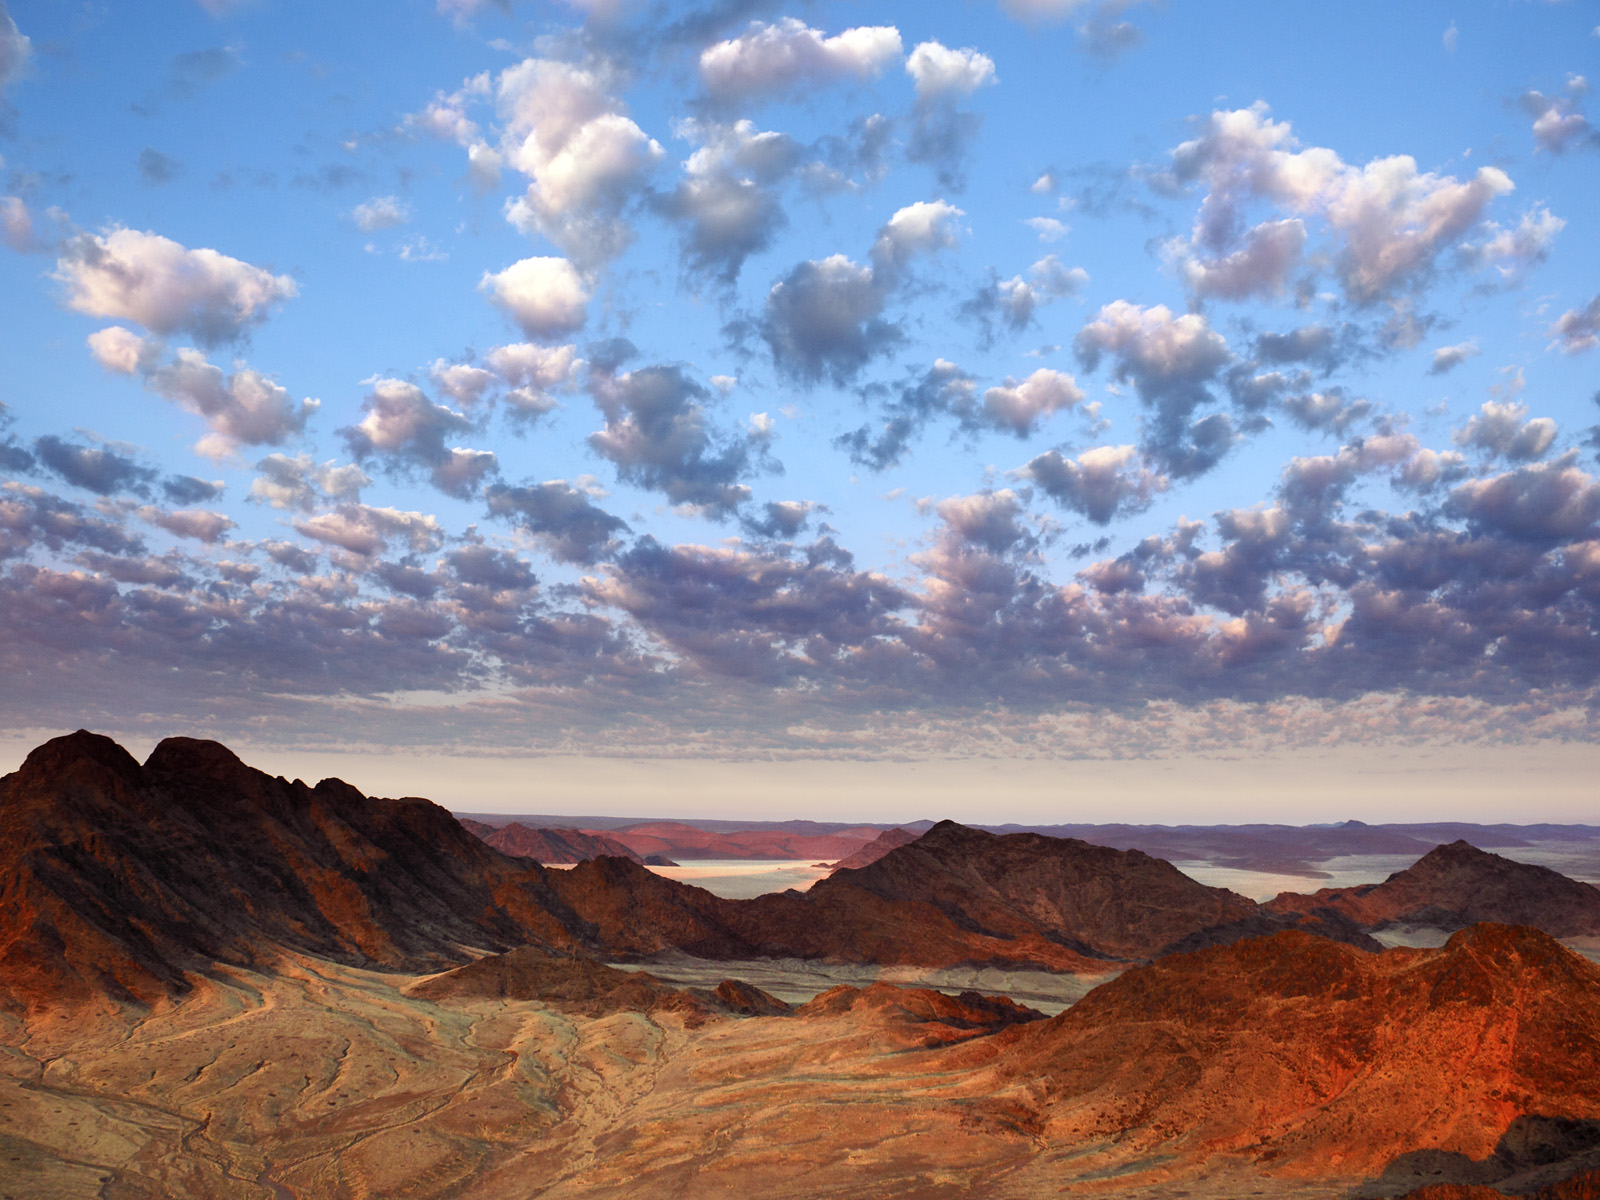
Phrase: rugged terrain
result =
(889, 839)
(549, 846)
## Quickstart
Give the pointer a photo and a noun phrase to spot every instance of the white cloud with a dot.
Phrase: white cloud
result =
(1500, 429)
(462, 382)
(533, 373)
(1019, 407)
(167, 288)
(1101, 483)
(1391, 221)
(198, 523)
(1578, 329)
(242, 409)
(1447, 358)
(381, 212)
(777, 57)
(919, 228)
(365, 531)
(303, 483)
(1048, 228)
(122, 351)
(1512, 251)
(16, 225)
(939, 71)
(544, 296)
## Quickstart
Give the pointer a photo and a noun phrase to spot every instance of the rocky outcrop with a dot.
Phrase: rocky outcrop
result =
(889, 839)
(556, 847)
(1312, 1058)
(1458, 885)
(117, 879)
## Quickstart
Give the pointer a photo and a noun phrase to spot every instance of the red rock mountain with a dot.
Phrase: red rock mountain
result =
(117, 879)
(1458, 885)
(674, 839)
(1313, 1058)
(889, 839)
(553, 846)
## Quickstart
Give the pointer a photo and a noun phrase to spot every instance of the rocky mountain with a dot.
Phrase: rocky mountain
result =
(1313, 1058)
(1458, 885)
(118, 878)
(677, 840)
(889, 839)
(554, 846)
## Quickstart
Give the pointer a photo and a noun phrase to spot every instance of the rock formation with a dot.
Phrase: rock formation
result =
(889, 839)
(551, 846)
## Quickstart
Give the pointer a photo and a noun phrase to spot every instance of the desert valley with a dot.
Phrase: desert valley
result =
(217, 983)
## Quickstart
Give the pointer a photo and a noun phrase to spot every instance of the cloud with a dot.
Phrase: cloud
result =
(104, 472)
(16, 225)
(585, 158)
(544, 296)
(780, 57)
(824, 320)
(1390, 222)
(1017, 299)
(300, 483)
(1101, 483)
(939, 72)
(381, 212)
(15, 49)
(242, 409)
(462, 382)
(1171, 362)
(199, 524)
(157, 168)
(657, 433)
(1558, 121)
(991, 520)
(533, 373)
(917, 229)
(1578, 329)
(941, 131)
(366, 531)
(1511, 252)
(782, 519)
(563, 519)
(123, 352)
(1500, 430)
(1544, 502)
(1448, 358)
(1020, 407)
(1048, 228)
(143, 277)
(1329, 410)
(31, 516)
(1102, 29)
(191, 490)
(404, 428)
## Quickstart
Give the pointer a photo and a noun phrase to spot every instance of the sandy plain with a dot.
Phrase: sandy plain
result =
(331, 1083)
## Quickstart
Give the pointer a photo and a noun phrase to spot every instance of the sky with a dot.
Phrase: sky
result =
(1036, 409)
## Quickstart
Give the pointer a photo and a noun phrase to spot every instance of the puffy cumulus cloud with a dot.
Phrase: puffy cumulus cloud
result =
(104, 472)
(200, 524)
(1578, 329)
(563, 519)
(381, 212)
(464, 383)
(1390, 221)
(15, 49)
(1171, 362)
(546, 297)
(406, 429)
(123, 352)
(1500, 429)
(446, 117)
(824, 320)
(532, 374)
(727, 203)
(191, 490)
(1015, 300)
(242, 409)
(658, 435)
(917, 229)
(939, 72)
(303, 484)
(496, 570)
(1542, 502)
(1558, 121)
(144, 277)
(941, 130)
(1448, 358)
(1511, 252)
(767, 615)
(31, 516)
(364, 531)
(1020, 407)
(785, 55)
(992, 520)
(1101, 483)
(584, 157)
(1330, 410)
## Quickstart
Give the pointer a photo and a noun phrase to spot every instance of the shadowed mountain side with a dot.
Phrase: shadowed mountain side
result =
(116, 879)
(680, 840)
(1458, 885)
(551, 846)
(889, 839)
(1311, 1058)
(589, 988)
(1585, 1185)
(926, 1018)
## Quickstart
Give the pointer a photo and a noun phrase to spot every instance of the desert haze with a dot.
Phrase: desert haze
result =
(217, 983)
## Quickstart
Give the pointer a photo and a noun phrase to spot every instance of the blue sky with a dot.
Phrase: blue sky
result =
(1056, 380)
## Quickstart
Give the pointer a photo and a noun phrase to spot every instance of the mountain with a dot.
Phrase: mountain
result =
(1458, 885)
(889, 839)
(550, 845)
(1312, 1058)
(118, 878)
(678, 840)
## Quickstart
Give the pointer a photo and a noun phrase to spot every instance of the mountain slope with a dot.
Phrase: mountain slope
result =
(116, 879)
(889, 839)
(551, 846)
(1458, 885)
